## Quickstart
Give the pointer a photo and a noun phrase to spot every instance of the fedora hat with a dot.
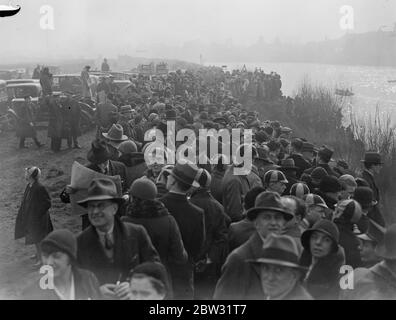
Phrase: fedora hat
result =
(279, 250)
(101, 189)
(288, 164)
(365, 196)
(185, 173)
(99, 152)
(116, 133)
(387, 249)
(325, 226)
(268, 201)
(372, 158)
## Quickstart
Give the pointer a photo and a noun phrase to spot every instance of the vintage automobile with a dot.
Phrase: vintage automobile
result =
(15, 96)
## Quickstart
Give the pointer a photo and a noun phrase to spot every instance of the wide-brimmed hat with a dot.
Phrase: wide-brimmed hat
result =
(99, 152)
(101, 189)
(365, 196)
(185, 172)
(387, 249)
(281, 250)
(288, 164)
(375, 232)
(268, 201)
(372, 158)
(325, 226)
(116, 133)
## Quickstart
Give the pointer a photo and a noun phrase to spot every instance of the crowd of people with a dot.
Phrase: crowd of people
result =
(282, 231)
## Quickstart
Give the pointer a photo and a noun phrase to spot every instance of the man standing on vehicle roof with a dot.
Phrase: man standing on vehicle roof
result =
(86, 90)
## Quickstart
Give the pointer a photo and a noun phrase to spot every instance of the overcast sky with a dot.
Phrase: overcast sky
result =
(89, 28)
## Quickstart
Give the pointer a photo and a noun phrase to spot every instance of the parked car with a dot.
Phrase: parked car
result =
(17, 92)
(72, 83)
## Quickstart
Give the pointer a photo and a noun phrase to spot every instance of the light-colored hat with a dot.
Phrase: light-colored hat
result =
(116, 133)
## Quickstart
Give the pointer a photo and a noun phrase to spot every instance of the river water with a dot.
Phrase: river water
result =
(369, 84)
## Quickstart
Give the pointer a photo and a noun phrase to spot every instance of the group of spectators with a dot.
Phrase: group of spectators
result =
(283, 230)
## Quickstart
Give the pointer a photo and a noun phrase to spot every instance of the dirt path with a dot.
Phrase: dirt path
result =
(16, 268)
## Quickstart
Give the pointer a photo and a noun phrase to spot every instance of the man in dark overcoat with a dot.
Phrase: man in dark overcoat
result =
(111, 248)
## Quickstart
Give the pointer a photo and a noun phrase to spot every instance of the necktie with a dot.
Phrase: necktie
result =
(108, 242)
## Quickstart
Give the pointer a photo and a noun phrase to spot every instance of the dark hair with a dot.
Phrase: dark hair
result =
(251, 196)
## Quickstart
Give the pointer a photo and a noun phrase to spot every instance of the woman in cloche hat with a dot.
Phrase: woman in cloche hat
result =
(324, 257)
(59, 253)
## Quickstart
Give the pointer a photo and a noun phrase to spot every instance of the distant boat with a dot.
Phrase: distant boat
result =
(344, 92)
(392, 81)
(8, 10)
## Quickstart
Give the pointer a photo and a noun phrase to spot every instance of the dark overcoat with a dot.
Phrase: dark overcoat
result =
(25, 121)
(132, 246)
(240, 280)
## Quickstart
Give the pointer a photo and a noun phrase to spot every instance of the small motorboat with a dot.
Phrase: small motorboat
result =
(344, 92)
(9, 10)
